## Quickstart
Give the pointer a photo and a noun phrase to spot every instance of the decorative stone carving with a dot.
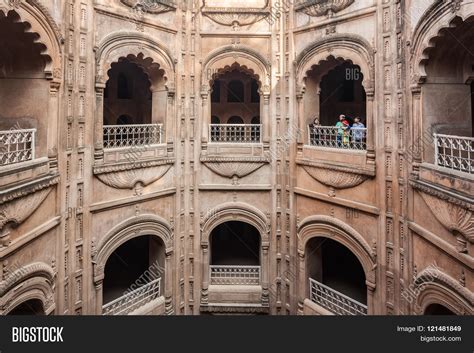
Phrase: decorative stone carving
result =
(452, 216)
(155, 7)
(231, 167)
(334, 176)
(322, 7)
(128, 176)
(16, 205)
(229, 16)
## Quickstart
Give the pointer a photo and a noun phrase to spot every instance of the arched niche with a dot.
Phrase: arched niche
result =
(331, 228)
(143, 225)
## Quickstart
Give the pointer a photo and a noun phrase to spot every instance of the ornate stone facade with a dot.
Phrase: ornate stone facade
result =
(390, 197)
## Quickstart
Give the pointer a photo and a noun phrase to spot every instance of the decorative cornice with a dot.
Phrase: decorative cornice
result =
(154, 7)
(322, 7)
(336, 176)
(230, 167)
(128, 175)
(236, 16)
(26, 189)
(443, 194)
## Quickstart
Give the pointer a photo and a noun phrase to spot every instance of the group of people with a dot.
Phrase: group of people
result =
(349, 131)
(346, 129)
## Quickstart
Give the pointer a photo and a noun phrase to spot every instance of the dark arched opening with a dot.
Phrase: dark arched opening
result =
(438, 309)
(29, 307)
(336, 277)
(135, 266)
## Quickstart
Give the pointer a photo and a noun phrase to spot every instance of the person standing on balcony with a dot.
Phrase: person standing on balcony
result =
(315, 133)
(358, 133)
(342, 131)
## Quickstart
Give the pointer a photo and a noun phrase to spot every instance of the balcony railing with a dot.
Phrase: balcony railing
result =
(454, 152)
(17, 146)
(235, 133)
(335, 301)
(335, 137)
(134, 299)
(119, 136)
(235, 275)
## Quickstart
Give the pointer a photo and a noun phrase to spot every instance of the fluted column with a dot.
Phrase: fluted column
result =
(170, 117)
(416, 153)
(53, 114)
(205, 114)
(301, 120)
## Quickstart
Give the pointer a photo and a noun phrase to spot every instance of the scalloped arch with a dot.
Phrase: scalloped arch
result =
(123, 44)
(329, 227)
(235, 211)
(244, 56)
(346, 47)
(39, 21)
(436, 287)
(429, 28)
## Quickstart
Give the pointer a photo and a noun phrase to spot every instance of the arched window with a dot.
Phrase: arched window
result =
(235, 92)
(123, 89)
(235, 120)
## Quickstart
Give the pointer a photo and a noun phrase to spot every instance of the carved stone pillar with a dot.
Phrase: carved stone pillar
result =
(53, 114)
(99, 122)
(370, 127)
(205, 114)
(302, 282)
(205, 275)
(370, 298)
(301, 119)
(417, 149)
(170, 117)
(265, 267)
(265, 114)
(168, 284)
(99, 285)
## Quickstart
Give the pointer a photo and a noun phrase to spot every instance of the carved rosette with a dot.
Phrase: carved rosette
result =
(18, 204)
(230, 167)
(155, 7)
(129, 176)
(453, 216)
(322, 7)
(336, 176)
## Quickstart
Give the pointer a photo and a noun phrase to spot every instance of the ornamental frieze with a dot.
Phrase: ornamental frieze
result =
(230, 167)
